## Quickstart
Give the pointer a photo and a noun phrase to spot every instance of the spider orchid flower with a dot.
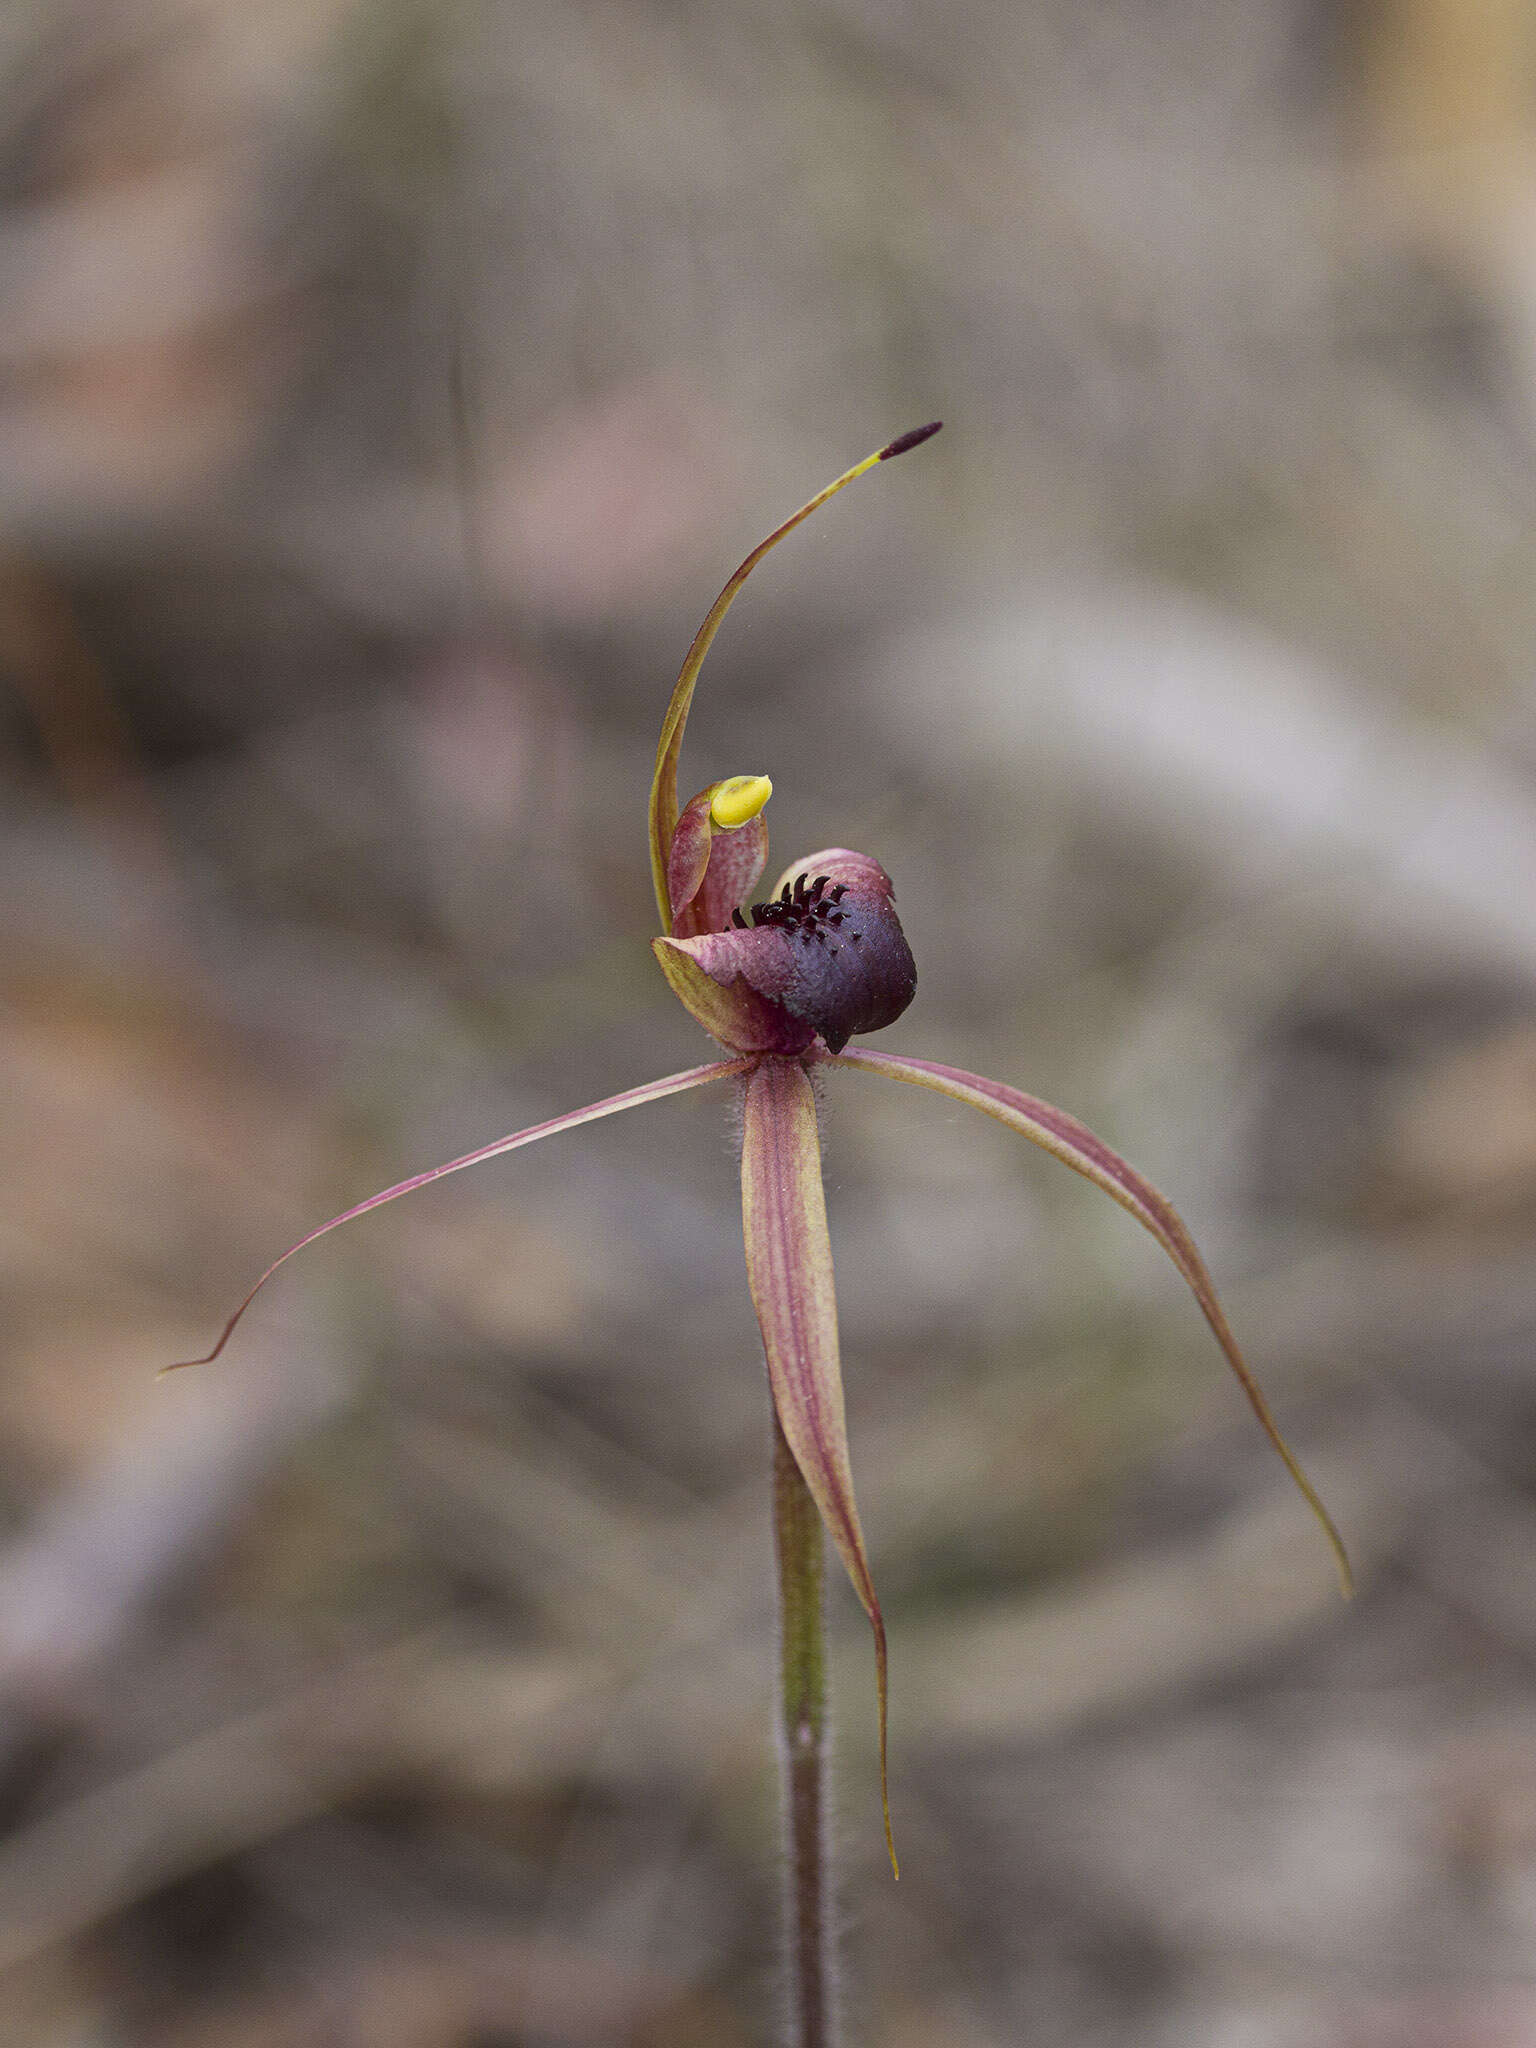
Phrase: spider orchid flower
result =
(782, 986)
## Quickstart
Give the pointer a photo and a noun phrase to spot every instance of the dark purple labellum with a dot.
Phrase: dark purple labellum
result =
(850, 967)
(828, 950)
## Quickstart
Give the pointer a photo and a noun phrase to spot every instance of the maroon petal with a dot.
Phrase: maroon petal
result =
(712, 869)
(688, 858)
(736, 862)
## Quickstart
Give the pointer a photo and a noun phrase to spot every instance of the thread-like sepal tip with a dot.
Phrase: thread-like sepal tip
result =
(915, 439)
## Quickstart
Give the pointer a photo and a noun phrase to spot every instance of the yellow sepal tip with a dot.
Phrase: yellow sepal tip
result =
(738, 801)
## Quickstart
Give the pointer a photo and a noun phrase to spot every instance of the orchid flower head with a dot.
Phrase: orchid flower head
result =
(824, 957)
(783, 985)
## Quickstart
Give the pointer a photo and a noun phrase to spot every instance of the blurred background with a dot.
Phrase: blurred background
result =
(386, 388)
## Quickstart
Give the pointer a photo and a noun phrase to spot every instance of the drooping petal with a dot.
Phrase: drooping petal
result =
(736, 860)
(663, 804)
(789, 1271)
(688, 857)
(650, 1091)
(1076, 1146)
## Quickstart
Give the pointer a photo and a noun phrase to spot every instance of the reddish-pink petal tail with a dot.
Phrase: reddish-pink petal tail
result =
(789, 1270)
(651, 1091)
(1076, 1146)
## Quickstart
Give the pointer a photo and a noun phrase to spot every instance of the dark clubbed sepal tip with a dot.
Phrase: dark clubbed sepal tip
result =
(915, 439)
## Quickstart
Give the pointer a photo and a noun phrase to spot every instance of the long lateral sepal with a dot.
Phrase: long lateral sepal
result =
(651, 1091)
(789, 1270)
(1076, 1146)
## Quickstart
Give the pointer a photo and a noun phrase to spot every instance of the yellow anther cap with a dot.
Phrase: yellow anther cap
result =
(738, 800)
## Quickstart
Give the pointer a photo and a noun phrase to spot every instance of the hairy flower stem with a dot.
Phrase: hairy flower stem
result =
(803, 1750)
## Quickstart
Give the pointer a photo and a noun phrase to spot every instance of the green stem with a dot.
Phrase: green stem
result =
(803, 1748)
